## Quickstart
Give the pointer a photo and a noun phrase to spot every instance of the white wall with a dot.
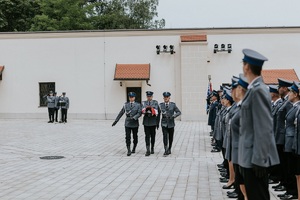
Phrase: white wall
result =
(84, 67)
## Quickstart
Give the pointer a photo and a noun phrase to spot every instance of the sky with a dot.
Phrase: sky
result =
(230, 13)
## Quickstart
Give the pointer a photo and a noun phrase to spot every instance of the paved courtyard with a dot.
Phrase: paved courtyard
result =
(96, 166)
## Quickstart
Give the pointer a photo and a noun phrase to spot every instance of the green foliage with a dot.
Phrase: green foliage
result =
(52, 15)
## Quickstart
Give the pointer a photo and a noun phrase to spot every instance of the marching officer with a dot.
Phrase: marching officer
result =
(169, 112)
(133, 111)
(257, 147)
(151, 119)
(51, 106)
(64, 103)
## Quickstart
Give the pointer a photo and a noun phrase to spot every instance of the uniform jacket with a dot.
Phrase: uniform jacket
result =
(169, 114)
(274, 110)
(257, 143)
(297, 130)
(228, 131)
(50, 101)
(132, 114)
(218, 135)
(66, 101)
(280, 125)
(149, 119)
(290, 128)
(213, 108)
(225, 121)
(56, 101)
(235, 133)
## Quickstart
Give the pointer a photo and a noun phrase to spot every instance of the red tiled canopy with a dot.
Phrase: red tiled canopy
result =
(132, 72)
(193, 38)
(271, 76)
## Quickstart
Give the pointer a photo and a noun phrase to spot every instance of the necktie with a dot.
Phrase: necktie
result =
(167, 105)
(130, 105)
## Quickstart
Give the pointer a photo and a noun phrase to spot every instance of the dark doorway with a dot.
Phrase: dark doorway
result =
(137, 90)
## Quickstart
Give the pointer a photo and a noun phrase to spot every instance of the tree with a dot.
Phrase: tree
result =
(61, 15)
(17, 15)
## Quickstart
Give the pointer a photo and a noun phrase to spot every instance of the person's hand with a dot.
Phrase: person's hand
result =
(259, 171)
(114, 123)
(157, 126)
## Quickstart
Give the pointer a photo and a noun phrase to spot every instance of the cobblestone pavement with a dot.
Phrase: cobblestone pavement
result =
(96, 166)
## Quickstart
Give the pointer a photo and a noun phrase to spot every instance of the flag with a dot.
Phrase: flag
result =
(209, 91)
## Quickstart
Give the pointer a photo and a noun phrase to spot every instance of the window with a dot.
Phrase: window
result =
(45, 88)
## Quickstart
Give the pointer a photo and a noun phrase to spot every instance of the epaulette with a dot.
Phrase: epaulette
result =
(256, 84)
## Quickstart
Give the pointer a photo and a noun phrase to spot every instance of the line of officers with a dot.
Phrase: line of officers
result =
(256, 127)
(54, 103)
(154, 114)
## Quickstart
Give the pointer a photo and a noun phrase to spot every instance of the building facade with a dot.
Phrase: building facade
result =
(84, 65)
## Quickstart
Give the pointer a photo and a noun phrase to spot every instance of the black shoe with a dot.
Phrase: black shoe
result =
(166, 151)
(230, 192)
(49, 121)
(128, 151)
(226, 187)
(224, 180)
(220, 165)
(276, 186)
(222, 170)
(273, 182)
(281, 188)
(289, 196)
(133, 149)
(169, 151)
(224, 174)
(65, 121)
(215, 150)
(152, 150)
(282, 195)
(148, 151)
(233, 195)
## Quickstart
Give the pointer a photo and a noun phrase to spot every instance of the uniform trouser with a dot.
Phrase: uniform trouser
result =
(150, 135)
(134, 131)
(238, 181)
(55, 113)
(51, 114)
(64, 113)
(291, 181)
(168, 134)
(256, 188)
(276, 172)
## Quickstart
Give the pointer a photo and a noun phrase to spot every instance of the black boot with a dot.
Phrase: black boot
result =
(133, 149)
(166, 151)
(169, 150)
(152, 150)
(148, 151)
(128, 151)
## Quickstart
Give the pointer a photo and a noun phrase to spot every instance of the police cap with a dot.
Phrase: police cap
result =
(284, 83)
(149, 93)
(131, 94)
(273, 89)
(166, 94)
(253, 58)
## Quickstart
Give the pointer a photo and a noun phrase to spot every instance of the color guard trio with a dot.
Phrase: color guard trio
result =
(54, 103)
(153, 113)
(256, 127)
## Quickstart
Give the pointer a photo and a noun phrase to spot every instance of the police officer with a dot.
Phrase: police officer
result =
(64, 103)
(282, 110)
(297, 142)
(133, 111)
(151, 119)
(257, 148)
(213, 109)
(169, 112)
(56, 108)
(51, 106)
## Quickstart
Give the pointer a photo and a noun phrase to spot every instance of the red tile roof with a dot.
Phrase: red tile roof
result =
(132, 72)
(193, 38)
(271, 76)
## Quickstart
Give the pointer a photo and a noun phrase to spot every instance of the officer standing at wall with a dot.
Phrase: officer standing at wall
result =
(213, 109)
(51, 106)
(169, 112)
(151, 119)
(56, 108)
(257, 147)
(64, 103)
(133, 111)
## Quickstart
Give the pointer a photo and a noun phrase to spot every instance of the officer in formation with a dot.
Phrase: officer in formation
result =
(212, 111)
(166, 111)
(56, 108)
(50, 99)
(169, 112)
(262, 134)
(64, 104)
(151, 120)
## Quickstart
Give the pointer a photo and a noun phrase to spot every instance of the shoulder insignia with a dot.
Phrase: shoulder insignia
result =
(256, 84)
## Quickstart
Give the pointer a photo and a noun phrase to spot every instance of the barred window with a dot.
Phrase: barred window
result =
(45, 88)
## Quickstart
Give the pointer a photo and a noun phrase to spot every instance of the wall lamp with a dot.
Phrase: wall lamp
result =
(222, 49)
(165, 49)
